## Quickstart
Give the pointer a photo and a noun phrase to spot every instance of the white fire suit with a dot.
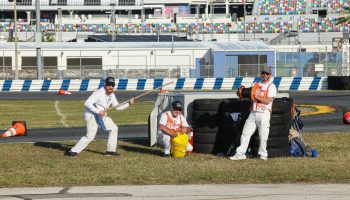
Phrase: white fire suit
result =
(99, 101)
(259, 117)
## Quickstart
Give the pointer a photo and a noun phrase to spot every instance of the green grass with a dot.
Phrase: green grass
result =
(43, 164)
(43, 114)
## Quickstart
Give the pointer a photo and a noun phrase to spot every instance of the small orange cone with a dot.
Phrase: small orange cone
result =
(162, 91)
(19, 128)
(63, 92)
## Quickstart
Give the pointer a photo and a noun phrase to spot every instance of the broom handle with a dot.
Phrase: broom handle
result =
(143, 94)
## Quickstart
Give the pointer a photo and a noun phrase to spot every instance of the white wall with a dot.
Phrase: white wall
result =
(122, 58)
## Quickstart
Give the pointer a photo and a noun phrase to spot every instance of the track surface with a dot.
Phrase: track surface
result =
(325, 123)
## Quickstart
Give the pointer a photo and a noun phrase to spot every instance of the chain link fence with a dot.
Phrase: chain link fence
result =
(207, 71)
(288, 64)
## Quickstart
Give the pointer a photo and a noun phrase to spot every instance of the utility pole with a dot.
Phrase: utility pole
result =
(244, 15)
(318, 28)
(59, 11)
(16, 40)
(38, 41)
(113, 3)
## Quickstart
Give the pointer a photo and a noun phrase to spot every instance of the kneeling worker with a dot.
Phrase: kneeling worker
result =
(170, 124)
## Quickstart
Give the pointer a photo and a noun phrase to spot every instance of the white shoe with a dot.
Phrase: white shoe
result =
(263, 157)
(238, 157)
(167, 152)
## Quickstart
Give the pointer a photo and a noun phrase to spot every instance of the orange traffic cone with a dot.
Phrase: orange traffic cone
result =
(19, 128)
(63, 92)
(162, 91)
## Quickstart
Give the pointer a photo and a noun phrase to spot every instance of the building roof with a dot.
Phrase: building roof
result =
(136, 38)
(223, 46)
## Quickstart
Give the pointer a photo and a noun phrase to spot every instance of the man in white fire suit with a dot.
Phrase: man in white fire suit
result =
(259, 117)
(95, 114)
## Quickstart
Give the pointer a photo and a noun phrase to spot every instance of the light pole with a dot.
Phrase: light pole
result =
(38, 41)
(244, 15)
(318, 27)
(158, 32)
(172, 37)
(113, 3)
(254, 28)
(16, 46)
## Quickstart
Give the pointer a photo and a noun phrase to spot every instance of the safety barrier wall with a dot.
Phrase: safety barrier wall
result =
(282, 83)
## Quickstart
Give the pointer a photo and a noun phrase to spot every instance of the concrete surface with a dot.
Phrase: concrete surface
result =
(188, 192)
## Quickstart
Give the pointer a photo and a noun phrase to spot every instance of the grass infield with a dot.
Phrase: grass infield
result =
(43, 164)
(67, 113)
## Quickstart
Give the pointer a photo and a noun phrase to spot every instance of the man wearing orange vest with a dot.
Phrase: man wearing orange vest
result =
(170, 124)
(259, 117)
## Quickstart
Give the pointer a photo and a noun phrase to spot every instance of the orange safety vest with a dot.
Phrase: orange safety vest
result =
(258, 106)
(171, 123)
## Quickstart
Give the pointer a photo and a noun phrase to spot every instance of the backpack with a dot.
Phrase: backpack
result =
(297, 147)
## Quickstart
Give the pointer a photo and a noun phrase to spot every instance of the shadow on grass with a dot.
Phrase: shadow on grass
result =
(62, 147)
(53, 145)
(141, 146)
(138, 141)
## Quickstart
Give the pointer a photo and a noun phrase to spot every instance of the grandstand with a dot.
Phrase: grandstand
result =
(287, 25)
(266, 20)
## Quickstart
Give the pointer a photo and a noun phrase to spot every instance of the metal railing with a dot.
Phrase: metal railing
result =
(75, 3)
(144, 72)
(287, 64)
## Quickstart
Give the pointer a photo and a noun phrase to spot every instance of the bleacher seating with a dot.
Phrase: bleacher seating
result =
(281, 7)
(126, 28)
(265, 27)
(336, 6)
(273, 16)
(304, 24)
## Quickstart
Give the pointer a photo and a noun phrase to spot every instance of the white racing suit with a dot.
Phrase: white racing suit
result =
(99, 101)
(259, 117)
(174, 124)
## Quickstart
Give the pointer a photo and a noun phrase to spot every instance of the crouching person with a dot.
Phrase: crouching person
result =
(171, 123)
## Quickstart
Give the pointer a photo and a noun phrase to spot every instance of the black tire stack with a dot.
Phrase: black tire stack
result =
(216, 132)
(280, 123)
(206, 121)
(230, 130)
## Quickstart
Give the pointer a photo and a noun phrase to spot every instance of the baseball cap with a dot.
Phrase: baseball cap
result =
(266, 71)
(177, 105)
(110, 81)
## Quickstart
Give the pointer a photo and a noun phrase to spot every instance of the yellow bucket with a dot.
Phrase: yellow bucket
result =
(179, 145)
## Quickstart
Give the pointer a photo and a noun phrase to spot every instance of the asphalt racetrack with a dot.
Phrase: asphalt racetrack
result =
(323, 123)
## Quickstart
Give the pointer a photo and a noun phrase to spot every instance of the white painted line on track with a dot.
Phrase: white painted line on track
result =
(63, 116)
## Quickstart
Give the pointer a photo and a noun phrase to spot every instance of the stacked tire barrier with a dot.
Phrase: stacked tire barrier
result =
(338, 82)
(230, 129)
(280, 123)
(216, 131)
(206, 124)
